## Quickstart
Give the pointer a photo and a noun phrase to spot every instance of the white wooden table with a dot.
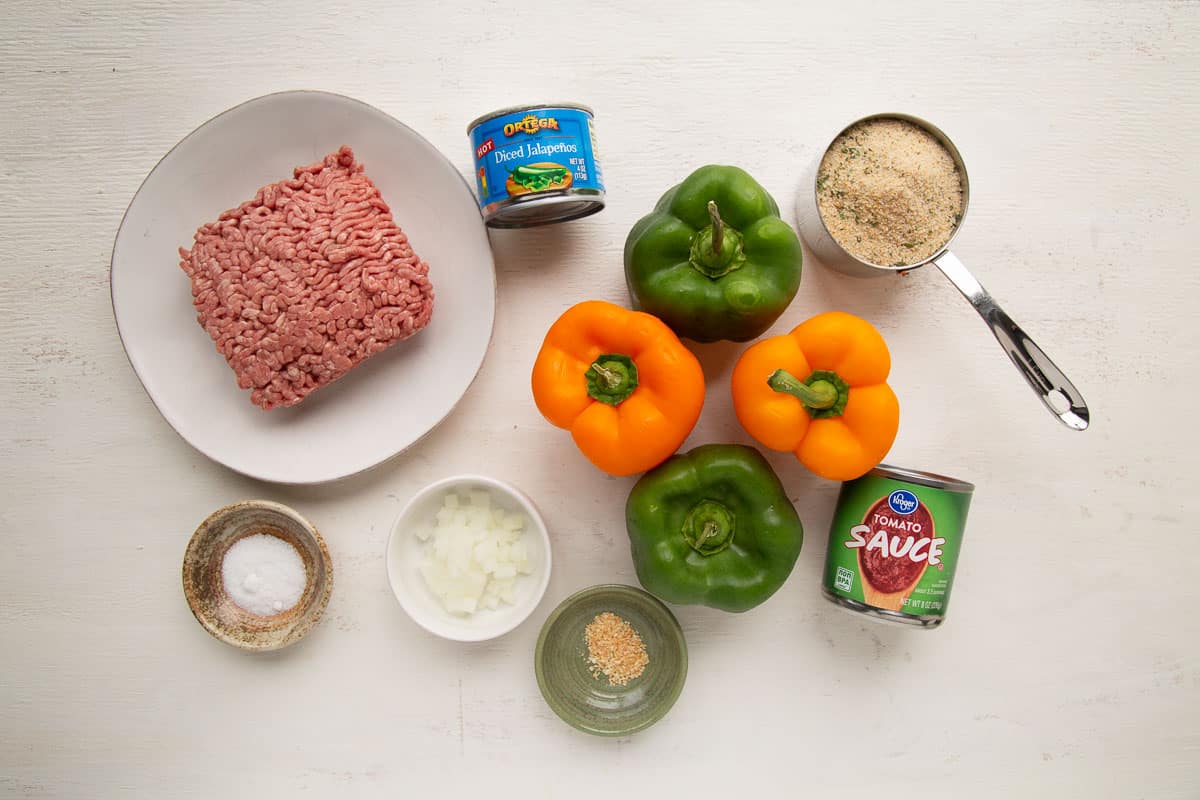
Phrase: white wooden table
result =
(1070, 665)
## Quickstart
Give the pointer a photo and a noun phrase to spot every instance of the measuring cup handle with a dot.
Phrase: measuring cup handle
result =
(1042, 374)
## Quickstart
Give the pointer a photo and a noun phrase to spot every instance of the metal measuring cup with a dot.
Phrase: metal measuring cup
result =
(1049, 382)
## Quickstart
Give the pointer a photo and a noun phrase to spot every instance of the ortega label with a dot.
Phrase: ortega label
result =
(531, 124)
(534, 151)
(894, 545)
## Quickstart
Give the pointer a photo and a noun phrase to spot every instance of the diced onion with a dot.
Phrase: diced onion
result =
(474, 553)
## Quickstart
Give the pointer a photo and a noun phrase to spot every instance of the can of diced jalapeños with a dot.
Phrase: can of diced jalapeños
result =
(894, 545)
(536, 164)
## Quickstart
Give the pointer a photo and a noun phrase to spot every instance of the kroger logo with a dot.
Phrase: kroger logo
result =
(903, 502)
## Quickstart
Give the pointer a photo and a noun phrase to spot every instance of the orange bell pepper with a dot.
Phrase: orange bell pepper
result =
(621, 382)
(821, 392)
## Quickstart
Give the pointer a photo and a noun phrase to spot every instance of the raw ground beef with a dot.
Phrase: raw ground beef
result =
(306, 280)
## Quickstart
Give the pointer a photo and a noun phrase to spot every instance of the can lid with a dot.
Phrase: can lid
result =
(515, 109)
(924, 621)
(543, 211)
(930, 479)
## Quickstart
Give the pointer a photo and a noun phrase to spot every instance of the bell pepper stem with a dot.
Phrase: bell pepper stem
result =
(709, 527)
(718, 228)
(708, 532)
(611, 378)
(823, 393)
(716, 249)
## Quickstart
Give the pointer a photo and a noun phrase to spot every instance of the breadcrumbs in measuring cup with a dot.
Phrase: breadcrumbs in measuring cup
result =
(889, 192)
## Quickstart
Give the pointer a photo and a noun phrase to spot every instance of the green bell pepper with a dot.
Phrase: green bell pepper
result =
(714, 260)
(713, 526)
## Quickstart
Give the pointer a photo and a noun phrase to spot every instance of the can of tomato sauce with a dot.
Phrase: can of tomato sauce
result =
(536, 164)
(894, 544)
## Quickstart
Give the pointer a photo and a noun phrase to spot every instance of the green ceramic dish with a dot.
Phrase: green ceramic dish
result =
(592, 704)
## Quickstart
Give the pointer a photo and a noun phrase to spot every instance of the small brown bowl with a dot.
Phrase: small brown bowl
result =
(205, 590)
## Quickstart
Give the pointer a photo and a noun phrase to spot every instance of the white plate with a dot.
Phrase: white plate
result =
(380, 407)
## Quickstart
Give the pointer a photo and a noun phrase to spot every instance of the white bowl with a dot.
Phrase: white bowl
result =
(405, 551)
